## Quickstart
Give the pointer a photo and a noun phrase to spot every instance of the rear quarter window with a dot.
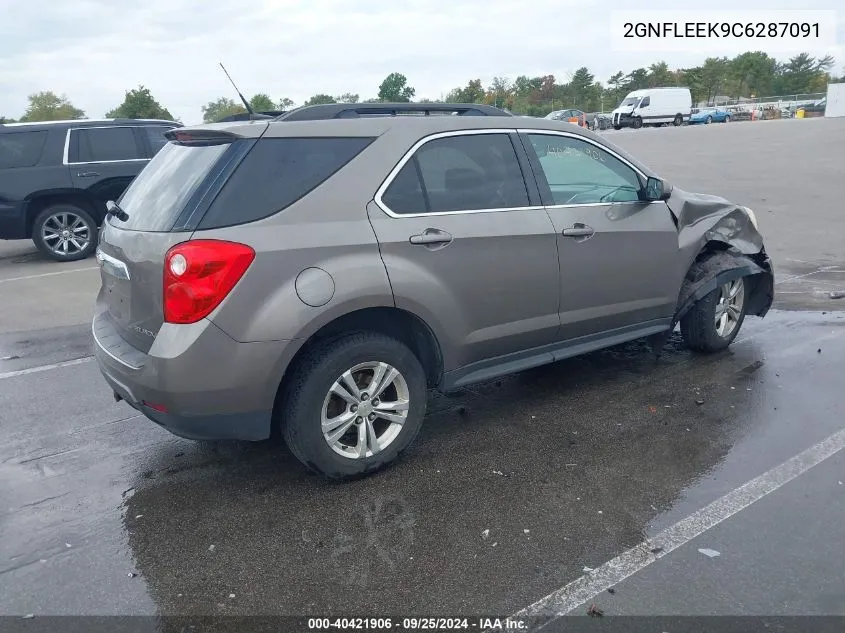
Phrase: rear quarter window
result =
(276, 173)
(21, 149)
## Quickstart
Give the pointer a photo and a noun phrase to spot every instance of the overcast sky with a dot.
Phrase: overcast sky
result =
(94, 50)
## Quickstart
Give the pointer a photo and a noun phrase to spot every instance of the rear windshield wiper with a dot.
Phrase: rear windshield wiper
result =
(112, 208)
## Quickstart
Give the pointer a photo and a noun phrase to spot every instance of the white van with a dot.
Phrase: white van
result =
(653, 106)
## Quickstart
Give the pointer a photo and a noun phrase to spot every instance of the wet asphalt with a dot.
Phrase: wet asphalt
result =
(567, 466)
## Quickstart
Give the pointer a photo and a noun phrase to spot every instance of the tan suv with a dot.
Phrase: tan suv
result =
(316, 274)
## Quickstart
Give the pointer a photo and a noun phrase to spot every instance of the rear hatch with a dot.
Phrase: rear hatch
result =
(159, 210)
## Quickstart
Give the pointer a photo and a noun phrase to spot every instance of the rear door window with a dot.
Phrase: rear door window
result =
(160, 192)
(471, 172)
(276, 173)
(103, 144)
(21, 149)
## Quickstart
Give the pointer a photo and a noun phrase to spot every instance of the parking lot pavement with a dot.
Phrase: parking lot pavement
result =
(567, 466)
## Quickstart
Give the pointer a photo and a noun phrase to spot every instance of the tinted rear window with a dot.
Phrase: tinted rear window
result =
(158, 194)
(21, 149)
(276, 173)
(101, 144)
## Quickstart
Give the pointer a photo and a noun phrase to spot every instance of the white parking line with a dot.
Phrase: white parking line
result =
(35, 370)
(630, 562)
(58, 272)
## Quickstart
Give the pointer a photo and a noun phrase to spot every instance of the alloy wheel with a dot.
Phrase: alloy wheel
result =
(66, 233)
(365, 409)
(729, 307)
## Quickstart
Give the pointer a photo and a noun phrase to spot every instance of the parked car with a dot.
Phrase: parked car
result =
(653, 106)
(710, 115)
(56, 176)
(816, 106)
(739, 113)
(598, 121)
(314, 276)
(566, 115)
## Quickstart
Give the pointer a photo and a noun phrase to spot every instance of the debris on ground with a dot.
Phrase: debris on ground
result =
(709, 552)
(485, 534)
(837, 294)
(231, 595)
(699, 402)
(494, 544)
(131, 574)
(819, 351)
(305, 537)
(29, 616)
(587, 570)
(499, 472)
(527, 531)
(138, 516)
(652, 409)
(594, 611)
(68, 545)
(211, 548)
(611, 590)
(600, 512)
(656, 550)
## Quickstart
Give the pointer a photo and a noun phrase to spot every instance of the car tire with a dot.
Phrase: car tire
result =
(708, 120)
(700, 327)
(311, 407)
(637, 123)
(65, 232)
(617, 127)
(727, 119)
(678, 121)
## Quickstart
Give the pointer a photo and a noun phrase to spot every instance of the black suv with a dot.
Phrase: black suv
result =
(56, 177)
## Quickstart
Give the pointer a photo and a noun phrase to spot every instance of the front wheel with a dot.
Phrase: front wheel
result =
(727, 119)
(714, 321)
(65, 233)
(353, 405)
(709, 120)
(637, 123)
(617, 127)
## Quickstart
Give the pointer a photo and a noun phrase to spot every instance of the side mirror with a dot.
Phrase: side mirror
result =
(656, 189)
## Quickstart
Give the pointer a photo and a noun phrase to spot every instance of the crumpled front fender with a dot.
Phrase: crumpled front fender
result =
(720, 267)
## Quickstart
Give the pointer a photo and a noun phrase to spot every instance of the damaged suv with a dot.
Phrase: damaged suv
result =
(311, 279)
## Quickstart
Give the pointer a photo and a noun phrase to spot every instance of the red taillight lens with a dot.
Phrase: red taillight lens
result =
(199, 274)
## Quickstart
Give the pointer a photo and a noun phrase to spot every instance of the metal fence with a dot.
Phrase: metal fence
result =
(777, 100)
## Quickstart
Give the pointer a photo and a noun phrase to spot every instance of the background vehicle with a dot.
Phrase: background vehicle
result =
(314, 277)
(653, 106)
(739, 113)
(711, 115)
(567, 115)
(56, 176)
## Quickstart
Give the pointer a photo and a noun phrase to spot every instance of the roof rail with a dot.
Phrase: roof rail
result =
(358, 110)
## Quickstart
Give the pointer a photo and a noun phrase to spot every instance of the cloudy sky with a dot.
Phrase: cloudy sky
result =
(94, 50)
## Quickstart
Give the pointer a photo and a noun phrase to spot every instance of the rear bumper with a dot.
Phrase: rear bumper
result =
(12, 220)
(196, 381)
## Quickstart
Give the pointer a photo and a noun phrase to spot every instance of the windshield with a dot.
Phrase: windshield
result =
(630, 101)
(157, 196)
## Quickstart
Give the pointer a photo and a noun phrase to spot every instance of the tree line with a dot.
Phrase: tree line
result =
(753, 74)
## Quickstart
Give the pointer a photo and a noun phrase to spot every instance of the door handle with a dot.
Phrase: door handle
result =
(87, 174)
(579, 230)
(431, 236)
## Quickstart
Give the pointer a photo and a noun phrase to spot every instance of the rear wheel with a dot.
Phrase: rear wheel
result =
(709, 120)
(65, 232)
(714, 321)
(678, 120)
(354, 404)
(617, 127)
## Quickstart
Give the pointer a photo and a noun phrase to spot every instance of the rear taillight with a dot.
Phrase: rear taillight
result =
(199, 274)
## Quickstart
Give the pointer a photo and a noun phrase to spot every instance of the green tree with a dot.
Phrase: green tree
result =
(395, 89)
(803, 73)
(348, 97)
(222, 107)
(286, 104)
(636, 80)
(500, 92)
(753, 73)
(473, 92)
(6, 120)
(47, 106)
(319, 99)
(262, 103)
(659, 75)
(138, 103)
